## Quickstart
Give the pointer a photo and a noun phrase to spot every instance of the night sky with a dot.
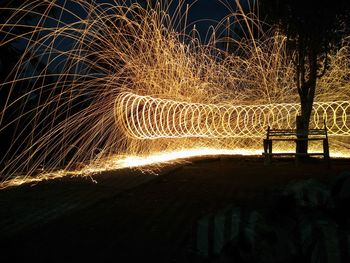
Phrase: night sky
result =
(203, 13)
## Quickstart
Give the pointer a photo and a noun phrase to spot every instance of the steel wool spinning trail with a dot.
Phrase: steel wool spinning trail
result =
(145, 117)
(103, 85)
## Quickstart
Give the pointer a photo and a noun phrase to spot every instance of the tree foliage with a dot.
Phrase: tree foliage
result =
(313, 28)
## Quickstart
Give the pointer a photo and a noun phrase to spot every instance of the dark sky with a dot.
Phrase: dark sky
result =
(203, 13)
(206, 13)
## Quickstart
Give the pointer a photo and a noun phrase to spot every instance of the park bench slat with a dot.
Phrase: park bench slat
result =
(289, 135)
(294, 154)
(295, 139)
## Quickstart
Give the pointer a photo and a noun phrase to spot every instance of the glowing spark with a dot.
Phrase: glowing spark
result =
(71, 100)
(151, 162)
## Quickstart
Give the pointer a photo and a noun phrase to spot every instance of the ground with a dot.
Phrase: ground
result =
(134, 216)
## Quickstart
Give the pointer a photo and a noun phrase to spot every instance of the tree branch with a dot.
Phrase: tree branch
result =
(325, 66)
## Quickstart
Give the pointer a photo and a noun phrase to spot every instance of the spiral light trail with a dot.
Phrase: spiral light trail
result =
(145, 117)
(69, 103)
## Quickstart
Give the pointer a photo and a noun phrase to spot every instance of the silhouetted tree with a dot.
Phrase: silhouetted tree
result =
(313, 29)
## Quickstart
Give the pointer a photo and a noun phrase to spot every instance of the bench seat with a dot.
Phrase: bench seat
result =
(294, 154)
(290, 135)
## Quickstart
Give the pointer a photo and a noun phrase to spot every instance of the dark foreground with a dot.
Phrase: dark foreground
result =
(129, 216)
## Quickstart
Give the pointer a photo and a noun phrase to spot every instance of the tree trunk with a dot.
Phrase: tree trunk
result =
(307, 94)
(303, 125)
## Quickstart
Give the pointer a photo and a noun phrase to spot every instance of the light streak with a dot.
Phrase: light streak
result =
(153, 161)
(151, 164)
(145, 117)
(71, 106)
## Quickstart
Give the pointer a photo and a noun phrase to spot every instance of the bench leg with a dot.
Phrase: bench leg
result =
(267, 151)
(326, 152)
(265, 143)
(270, 151)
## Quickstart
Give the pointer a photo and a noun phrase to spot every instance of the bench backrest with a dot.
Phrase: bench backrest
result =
(296, 133)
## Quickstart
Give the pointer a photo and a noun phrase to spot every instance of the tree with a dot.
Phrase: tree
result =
(313, 29)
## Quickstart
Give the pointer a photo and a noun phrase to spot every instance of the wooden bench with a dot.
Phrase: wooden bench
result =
(291, 135)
